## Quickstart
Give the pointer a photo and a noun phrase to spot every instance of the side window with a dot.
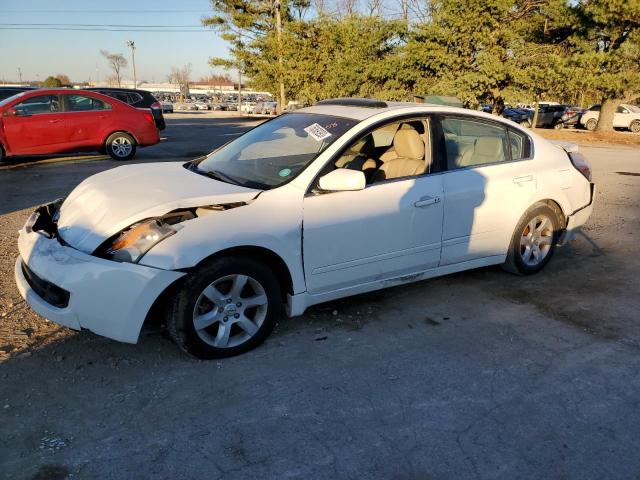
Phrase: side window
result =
(394, 150)
(473, 142)
(133, 98)
(621, 109)
(520, 145)
(38, 105)
(595, 108)
(81, 103)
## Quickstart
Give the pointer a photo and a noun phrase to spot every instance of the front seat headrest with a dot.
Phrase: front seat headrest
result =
(408, 144)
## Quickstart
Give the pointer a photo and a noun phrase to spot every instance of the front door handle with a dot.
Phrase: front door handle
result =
(426, 201)
(54, 121)
(523, 179)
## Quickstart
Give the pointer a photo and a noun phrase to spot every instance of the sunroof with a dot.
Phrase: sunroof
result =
(354, 102)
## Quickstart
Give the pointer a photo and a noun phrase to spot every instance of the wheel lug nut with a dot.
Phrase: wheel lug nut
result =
(228, 300)
(237, 315)
(226, 318)
(238, 304)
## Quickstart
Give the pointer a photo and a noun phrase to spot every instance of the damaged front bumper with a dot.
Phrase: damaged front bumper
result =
(78, 290)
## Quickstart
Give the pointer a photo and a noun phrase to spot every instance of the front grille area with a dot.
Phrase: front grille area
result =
(49, 292)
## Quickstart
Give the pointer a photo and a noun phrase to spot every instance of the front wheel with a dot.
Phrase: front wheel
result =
(226, 307)
(121, 146)
(591, 124)
(534, 240)
(635, 126)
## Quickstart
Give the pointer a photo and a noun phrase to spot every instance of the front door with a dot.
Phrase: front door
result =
(37, 127)
(386, 230)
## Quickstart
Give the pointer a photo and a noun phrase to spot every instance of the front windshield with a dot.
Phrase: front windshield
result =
(11, 98)
(276, 151)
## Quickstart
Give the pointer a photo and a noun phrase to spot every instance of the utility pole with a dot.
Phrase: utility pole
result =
(240, 88)
(20, 74)
(277, 5)
(132, 46)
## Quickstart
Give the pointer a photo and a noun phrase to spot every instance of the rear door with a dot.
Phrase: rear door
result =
(489, 182)
(38, 126)
(85, 117)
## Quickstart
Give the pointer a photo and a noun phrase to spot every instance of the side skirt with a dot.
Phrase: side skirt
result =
(297, 304)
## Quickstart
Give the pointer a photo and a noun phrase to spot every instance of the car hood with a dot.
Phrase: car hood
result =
(106, 203)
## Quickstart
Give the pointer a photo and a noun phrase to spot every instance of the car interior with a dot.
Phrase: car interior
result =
(395, 150)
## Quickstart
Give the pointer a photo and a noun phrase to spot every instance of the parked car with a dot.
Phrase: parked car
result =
(248, 107)
(266, 108)
(47, 121)
(626, 116)
(188, 105)
(200, 105)
(549, 116)
(368, 195)
(167, 106)
(572, 115)
(136, 98)
(6, 92)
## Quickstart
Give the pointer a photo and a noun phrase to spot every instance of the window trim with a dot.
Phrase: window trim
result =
(436, 158)
(61, 106)
(494, 123)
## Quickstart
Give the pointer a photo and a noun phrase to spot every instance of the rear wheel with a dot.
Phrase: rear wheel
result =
(226, 307)
(558, 126)
(525, 123)
(591, 124)
(121, 146)
(635, 126)
(533, 241)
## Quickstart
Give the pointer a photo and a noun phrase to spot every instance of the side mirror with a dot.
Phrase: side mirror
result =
(342, 179)
(10, 112)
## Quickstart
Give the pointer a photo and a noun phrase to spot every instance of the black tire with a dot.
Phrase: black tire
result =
(128, 143)
(525, 123)
(558, 126)
(635, 126)
(1, 154)
(591, 124)
(515, 262)
(182, 306)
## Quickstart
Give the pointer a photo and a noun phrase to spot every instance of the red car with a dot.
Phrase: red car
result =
(49, 121)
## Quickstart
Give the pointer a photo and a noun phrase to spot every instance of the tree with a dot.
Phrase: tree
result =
(116, 63)
(606, 42)
(51, 82)
(181, 77)
(64, 79)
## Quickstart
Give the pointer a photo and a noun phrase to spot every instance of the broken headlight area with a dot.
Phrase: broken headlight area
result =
(131, 244)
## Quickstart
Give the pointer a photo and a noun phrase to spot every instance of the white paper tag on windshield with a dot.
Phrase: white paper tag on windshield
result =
(317, 132)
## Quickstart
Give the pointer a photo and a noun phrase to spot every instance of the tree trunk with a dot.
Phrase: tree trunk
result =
(607, 110)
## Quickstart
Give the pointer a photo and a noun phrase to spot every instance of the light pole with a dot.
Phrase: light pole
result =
(132, 46)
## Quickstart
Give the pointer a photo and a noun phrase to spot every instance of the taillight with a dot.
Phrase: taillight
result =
(581, 164)
(156, 105)
(149, 117)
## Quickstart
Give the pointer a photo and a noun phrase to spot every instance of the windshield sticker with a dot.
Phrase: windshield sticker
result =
(285, 172)
(317, 132)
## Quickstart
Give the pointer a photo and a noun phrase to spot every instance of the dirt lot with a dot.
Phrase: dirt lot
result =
(475, 375)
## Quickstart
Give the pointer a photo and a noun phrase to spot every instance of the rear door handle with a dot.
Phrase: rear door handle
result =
(54, 121)
(523, 179)
(426, 201)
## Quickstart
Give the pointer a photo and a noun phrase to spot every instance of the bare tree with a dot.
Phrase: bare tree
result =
(181, 77)
(116, 63)
(373, 8)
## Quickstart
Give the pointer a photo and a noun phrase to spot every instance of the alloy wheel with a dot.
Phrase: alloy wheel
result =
(121, 146)
(230, 311)
(536, 240)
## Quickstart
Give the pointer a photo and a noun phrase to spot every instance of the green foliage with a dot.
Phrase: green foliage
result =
(52, 82)
(477, 50)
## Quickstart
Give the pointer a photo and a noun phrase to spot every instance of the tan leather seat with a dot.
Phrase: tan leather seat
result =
(355, 157)
(485, 150)
(410, 161)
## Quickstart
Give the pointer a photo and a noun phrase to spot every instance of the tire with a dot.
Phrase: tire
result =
(226, 327)
(1, 154)
(558, 126)
(531, 233)
(525, 123)
(591, 124)
(635, 126)
(120, 146)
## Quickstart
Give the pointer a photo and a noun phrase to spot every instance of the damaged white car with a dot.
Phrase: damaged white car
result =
(344, 197)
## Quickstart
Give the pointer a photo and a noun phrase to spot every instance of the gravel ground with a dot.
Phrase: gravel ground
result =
(474, 375)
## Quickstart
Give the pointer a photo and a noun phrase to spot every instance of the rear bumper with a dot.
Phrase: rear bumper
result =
(577, 219)
(109, 298)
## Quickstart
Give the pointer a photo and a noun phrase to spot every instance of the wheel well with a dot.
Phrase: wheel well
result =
(120, 131)
(555, 206)
(264, 255)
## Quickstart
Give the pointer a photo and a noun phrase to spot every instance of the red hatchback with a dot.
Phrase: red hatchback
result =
(49, 121)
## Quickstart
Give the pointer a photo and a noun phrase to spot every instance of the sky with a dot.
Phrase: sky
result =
(40, 53)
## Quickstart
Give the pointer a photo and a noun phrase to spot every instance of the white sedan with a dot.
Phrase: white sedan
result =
(341, 198)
